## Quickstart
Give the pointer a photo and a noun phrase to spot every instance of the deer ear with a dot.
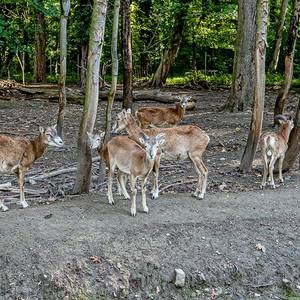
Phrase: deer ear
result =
(102, 134)
(41, 129)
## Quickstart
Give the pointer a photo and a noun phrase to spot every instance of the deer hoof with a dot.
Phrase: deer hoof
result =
(201, 196)
(24, 204)
(154, 194)
(4, 208)
(133, 212)
(146, 209)
(111, 202)
(127, 196)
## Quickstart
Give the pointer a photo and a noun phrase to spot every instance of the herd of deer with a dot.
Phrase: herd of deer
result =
(137, 154)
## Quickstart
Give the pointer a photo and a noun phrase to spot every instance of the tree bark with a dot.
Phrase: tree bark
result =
(62, 101)
(259, 94)
(114, 69)
(39, 75)
(293, 144)
(242, 87)
(88, 118)
(288, 60)
(83, 61)
(278, 35)
(127, 56)
(170, 53)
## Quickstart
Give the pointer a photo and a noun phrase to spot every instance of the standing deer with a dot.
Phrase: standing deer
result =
(273, 146)
(17, 154)
(158, 116)
(131, 159)
(96, 142)
(181, 142)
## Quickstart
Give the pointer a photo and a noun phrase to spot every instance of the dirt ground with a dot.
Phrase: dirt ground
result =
(46, 250)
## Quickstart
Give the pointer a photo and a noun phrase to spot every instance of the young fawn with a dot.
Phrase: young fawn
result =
(17, 154)
(273, 146)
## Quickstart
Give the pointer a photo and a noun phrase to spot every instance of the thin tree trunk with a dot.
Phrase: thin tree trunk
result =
(258, 108)
(40, 49)
(114, 69)
(127, 56)
(83, 61)
(242, 87)
(278, 36)
(170, 53)
(288, 60)
(88, 118)
(62, 101)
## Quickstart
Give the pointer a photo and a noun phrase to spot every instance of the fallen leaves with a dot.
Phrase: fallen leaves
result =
(95, 258)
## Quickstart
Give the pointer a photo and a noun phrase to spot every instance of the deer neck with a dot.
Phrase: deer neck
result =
(38, 147)
(133, 129)
(180, 110)
(285, 132)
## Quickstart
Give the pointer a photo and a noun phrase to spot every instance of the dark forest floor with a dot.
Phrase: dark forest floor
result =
(45, 250)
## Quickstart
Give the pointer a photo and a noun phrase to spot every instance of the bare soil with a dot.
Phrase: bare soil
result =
(79, 247)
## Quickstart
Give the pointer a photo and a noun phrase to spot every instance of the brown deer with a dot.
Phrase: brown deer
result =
(181, 142)
(159, 116)
(273, 146)
(96, 142)
(130, 158)
(17, 154)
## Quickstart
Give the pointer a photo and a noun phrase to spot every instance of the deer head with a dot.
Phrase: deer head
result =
(95, 140)
(121, 121)
(152, 144)
(50, 136)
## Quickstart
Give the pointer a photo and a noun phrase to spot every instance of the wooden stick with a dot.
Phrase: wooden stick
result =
(178, 183)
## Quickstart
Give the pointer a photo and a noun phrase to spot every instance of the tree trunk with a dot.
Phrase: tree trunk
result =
(288, 60)
(278, 36)
(88, 118)
(39, 74)
(62, 101)
(170, 53)
(127, 56)
(242, 87)
(259, 94)
(293, 144)
(114, 69)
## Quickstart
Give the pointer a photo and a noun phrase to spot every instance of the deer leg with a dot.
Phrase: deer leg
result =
(2, 206)
(122, 181)
(196, 163)
(133, 195)
(144, 199)
(265, 162)
(204, 171)
(271, 169)
(109, 186)
(21, 185)
(280, 163)
(155, 191)
(119, 176)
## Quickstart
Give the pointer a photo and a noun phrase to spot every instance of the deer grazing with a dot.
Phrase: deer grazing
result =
(131, 159)
(273, 146)
(159, 116)
(17, 155)
(181, 142)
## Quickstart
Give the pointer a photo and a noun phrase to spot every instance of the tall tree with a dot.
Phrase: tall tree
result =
(127, 56)
(39, 74)
(288, 60)
(242, 87)
(65, 9)
(278, 36)
(88, 118)
(114, 68)
(170, 53)
(259, 89)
